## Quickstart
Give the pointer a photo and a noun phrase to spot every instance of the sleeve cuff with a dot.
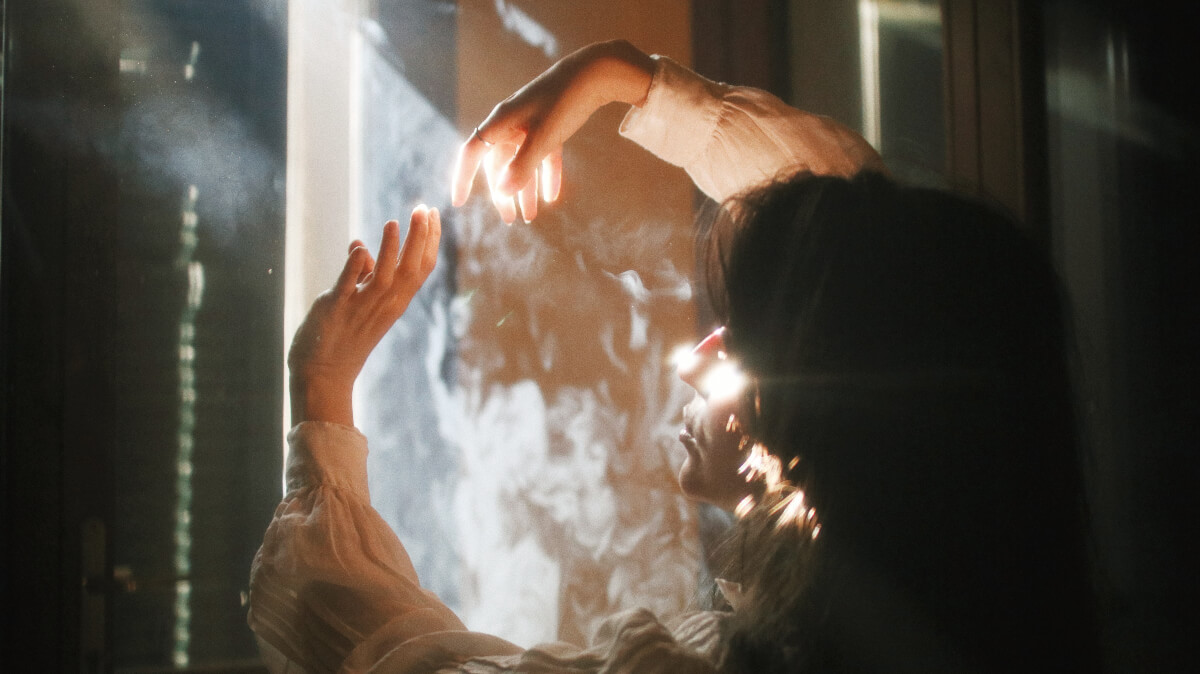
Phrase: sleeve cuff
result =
(322, 453)
(679, 116)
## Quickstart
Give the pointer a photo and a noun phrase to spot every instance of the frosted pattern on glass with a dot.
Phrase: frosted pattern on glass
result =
(522, 416)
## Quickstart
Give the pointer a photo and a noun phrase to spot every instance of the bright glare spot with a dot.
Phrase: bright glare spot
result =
(816, 531)
(761, 464)
(547, 183)
(724, 381)
(128, 65)
(793, 511)
(683, 357)
(744, 506)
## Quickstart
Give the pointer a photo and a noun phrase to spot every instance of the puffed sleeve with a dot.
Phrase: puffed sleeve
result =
(729, 139)
(630, 642)
(332, 588)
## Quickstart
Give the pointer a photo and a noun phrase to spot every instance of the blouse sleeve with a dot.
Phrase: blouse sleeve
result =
(729, 139)
(332, 588)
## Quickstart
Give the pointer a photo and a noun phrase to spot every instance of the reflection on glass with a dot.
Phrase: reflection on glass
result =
(197, 144)
(187, 423)
(900, 44)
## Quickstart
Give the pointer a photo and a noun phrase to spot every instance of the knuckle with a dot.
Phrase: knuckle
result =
(407, 276)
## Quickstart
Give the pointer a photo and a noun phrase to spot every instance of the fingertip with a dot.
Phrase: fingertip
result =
(420, 217)
(551, 177)
(528, 202)
(389, 247)
(470, 154)
(356, 261)
(391, 231)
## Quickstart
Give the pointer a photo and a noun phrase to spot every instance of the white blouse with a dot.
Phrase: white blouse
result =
(333, 589)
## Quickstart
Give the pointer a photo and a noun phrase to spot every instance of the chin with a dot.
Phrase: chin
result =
(691, 484)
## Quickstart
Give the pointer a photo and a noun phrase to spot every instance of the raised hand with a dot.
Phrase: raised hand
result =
(347, 321)
(527, 130)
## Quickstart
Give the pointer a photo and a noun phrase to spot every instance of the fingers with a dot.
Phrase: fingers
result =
(522, 170)
(413, 252)
(356, 262)
(493, 164)
(510, 166)
(528, 198)
(470, 154)
(389, 248)
(474, 150)
(429, 259)
(369, 266)
(551, 176)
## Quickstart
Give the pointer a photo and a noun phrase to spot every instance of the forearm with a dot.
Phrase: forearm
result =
(731, 138)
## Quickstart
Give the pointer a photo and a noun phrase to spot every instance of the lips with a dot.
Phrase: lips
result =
(686, 437)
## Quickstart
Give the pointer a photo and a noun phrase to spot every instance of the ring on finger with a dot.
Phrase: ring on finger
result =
(481, 139)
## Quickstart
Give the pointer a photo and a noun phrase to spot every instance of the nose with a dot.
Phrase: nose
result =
(709, 352)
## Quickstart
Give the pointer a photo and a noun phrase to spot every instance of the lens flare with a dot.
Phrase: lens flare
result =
(724, 380)
(683, 356)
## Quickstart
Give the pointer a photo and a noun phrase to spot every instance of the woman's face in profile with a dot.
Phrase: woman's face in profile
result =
(711, 434)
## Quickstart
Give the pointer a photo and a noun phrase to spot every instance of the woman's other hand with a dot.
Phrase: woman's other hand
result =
(347, 321)
(528, 129)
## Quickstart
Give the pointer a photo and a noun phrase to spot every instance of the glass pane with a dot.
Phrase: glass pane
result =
(522, 415)
(903, 113)
(199, 148)
(1123, 136)
(875, 65)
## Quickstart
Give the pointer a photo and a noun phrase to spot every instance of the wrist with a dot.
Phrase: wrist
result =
(623, 72)
(315, 398)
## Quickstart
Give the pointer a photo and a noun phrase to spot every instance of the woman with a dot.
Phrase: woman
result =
(923, 507)
(898, 441)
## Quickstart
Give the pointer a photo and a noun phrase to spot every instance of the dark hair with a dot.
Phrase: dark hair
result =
(908, 354)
